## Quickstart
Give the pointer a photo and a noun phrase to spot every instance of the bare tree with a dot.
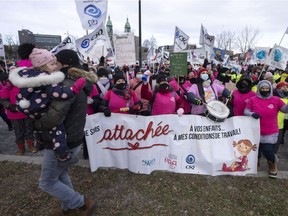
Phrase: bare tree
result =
(226, 40)
(247, 38)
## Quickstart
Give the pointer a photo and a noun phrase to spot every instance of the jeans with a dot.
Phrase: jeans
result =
(267, 149)
(55, 179)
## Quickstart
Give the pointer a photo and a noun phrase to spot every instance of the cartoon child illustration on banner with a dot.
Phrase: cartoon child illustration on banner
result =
(244, 147)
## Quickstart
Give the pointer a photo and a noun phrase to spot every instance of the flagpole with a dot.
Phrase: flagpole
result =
(282, 38)
(140, 38)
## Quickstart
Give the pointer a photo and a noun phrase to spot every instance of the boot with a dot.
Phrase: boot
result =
(21, 149)
(31, 147)
(272, 169)
(70, 212)
(88, 207)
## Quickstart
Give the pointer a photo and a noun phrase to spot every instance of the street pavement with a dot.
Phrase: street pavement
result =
(8, 149)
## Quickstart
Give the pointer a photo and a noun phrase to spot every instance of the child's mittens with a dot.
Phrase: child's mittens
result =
(78, 85)
(180, 111)
(61, 152)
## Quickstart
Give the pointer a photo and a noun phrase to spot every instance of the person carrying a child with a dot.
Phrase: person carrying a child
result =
(38, 86)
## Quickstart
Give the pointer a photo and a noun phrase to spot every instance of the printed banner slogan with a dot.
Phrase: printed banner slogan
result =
(186, 144)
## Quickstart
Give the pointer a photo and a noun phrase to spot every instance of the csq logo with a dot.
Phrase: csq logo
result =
(190, 159)
(93, 11)
(85, 43)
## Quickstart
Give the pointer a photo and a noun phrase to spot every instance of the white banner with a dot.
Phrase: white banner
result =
(206, 40)
(260, 54)
(125, 50)
(2, 53)
(278, 57)
(95, 44)
(187, 144)
(92, 13)
(67, 43)
(180, 40)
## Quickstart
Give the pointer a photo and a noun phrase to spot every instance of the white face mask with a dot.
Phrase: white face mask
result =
(110, 76)
(139, 76)
(103, 80)
(204, 76)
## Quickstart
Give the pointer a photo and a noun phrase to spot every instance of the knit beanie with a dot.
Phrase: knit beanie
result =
(268, 75)
(68, 57)
(118, 76)
(102, 72)
(161, 78)
(201, 70)
(281, 84)
(24, 50)
(40, 57)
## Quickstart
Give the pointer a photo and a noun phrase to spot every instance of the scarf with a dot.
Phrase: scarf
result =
(103, 88)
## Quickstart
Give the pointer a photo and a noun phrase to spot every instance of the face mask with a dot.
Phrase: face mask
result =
(120, 86)
(103, 80)
(164, 86)
(110, 76)
(139, 76)
(264, 93)
(204, 76)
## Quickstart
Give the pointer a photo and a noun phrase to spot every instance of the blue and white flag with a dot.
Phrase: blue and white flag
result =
(67, 43)
(278, 57)
(180, 40)
(92, 13)
(95, 44)
(206, 40)
(2, 53)
(260, 54)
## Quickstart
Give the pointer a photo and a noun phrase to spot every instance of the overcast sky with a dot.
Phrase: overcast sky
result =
(159, 18)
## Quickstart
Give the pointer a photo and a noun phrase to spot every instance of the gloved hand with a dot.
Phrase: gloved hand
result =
(78, 85)
(62, 154)
(12, 108)
(135, 108)
(180, 112)
(89, 100)
(256, 115)
(107, 112)
(199, 102)
(230, 97)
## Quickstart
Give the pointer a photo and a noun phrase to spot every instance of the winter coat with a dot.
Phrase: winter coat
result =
(71, 112)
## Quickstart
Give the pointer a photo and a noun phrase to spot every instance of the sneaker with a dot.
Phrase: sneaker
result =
(88, 207)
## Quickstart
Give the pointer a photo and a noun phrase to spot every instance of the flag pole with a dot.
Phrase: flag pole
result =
(140, 38)
(283, 36)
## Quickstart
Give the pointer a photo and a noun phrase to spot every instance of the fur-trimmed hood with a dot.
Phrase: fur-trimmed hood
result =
(19, 79)
(76, 73)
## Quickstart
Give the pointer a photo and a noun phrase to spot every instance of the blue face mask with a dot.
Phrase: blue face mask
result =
(204, 77)
(110, 76)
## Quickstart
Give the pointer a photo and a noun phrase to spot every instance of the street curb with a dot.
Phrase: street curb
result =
(85, 163)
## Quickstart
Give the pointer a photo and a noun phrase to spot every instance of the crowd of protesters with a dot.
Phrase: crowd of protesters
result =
(84, 89)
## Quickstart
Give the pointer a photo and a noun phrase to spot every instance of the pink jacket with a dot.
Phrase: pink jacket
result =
(133, 83)
(90, 108)
(116, 102)
(268, 110)
(196, 110)
(10, 92)
(239, 101)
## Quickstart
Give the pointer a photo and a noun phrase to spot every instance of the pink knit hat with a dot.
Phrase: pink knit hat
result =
(40, 57)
